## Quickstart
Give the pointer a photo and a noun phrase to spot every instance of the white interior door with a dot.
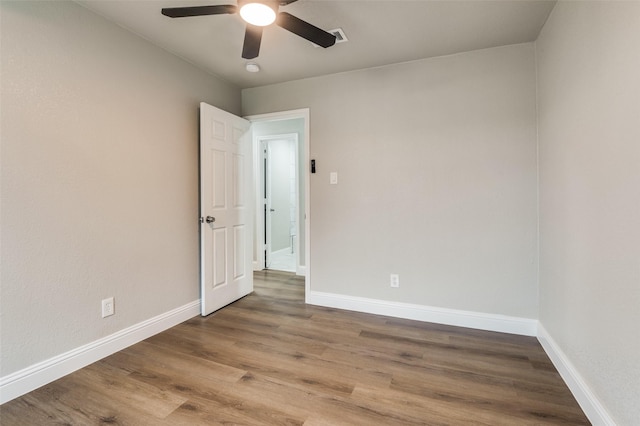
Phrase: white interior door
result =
(226, 237)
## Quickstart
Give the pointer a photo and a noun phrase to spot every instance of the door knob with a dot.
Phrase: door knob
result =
(210, 219)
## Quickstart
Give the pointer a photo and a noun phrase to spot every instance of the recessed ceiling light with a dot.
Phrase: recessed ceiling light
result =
(252, 67)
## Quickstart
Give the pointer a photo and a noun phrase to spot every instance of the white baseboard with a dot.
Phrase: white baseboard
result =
(478, 320)
(589, 403)
(37, 375)
(301, 270)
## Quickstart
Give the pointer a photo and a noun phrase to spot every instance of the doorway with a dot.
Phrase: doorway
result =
(280, 192)
(269, 127)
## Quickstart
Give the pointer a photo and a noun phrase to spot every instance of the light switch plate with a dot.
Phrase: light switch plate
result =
(333, 178)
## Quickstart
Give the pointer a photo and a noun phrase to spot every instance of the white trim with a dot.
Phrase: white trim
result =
(37, 375)
(587, 400)
(307, 203)
(478, 320)
(280, 115)
(301, 270)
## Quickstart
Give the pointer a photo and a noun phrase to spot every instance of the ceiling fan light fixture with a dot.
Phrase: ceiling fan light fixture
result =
(258, 14)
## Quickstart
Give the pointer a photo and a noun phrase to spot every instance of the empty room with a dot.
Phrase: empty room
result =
(455, 238)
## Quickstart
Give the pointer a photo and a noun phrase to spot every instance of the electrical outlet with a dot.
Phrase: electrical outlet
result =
(108, 308)
(394, 280)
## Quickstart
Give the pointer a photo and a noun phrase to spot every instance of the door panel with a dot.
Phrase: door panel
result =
(219, 258)
(219, 179)
(239, 243)
(238, 184)
(226, 230)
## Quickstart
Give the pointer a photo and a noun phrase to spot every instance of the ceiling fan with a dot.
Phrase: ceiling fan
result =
(257, 15)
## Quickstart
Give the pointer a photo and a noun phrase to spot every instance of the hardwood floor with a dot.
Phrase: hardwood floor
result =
(271, 359)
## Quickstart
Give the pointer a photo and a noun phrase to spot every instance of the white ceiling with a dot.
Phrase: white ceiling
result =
(380, 32)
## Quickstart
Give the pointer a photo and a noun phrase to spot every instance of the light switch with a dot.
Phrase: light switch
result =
(333, 178)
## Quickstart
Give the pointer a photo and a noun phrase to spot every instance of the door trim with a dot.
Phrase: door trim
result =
(287, 115)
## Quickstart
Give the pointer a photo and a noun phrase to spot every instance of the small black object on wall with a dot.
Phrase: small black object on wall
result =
(313, 166)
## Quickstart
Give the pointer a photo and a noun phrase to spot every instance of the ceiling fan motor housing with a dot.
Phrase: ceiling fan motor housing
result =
(273, 4)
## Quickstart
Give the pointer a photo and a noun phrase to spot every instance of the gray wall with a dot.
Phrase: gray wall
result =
(589, 111)
(437, 179)
(99, 184)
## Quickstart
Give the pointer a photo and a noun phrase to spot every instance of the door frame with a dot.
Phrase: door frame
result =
(263, 183)
(277, 116)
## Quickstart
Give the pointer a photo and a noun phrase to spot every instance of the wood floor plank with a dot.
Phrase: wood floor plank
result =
(334, 409)
(175, 363)
(270, 359)
(152, 401)
(348, 374)
(201, 411)
(284, 366)
(493, 403)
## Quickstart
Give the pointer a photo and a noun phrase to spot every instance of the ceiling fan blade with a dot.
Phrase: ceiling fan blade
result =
(183, 12)
(252, 39)
(305, 30)
(286, 2)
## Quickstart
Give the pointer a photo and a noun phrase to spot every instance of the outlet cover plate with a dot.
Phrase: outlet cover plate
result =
(108, 308)
(394, 280)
